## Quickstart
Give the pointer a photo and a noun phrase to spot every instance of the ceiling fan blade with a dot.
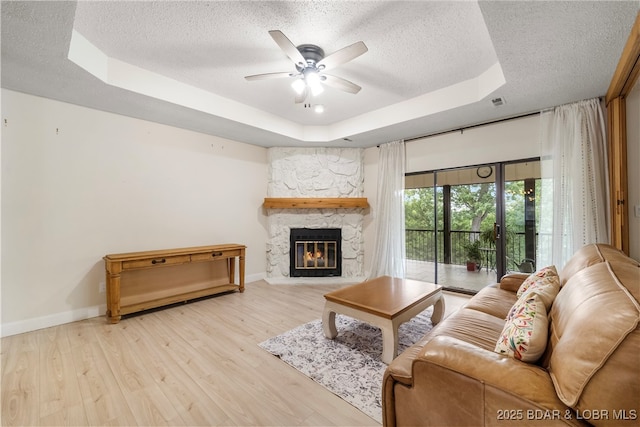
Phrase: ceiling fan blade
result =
(300, 98)
(266, 76)
(289, 48)
(343, 55)
(340, 83)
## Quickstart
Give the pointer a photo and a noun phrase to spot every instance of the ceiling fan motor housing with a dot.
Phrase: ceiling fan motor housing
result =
(312, 53)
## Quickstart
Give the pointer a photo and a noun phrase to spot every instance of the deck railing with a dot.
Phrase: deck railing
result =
(421, 246)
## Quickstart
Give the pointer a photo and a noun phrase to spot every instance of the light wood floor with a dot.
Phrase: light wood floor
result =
(191, 364)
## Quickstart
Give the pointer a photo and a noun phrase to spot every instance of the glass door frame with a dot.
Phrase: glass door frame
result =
(501, 244)
(501, 261)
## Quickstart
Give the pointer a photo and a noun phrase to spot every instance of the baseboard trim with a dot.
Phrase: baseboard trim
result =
(254, 277)
(29, 325)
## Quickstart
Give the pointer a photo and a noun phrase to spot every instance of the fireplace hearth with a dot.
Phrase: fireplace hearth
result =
(315, 252)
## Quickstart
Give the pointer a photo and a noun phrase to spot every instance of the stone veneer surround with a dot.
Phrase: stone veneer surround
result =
(315, 172)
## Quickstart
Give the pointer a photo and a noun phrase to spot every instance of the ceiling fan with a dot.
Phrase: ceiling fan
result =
(311, 65)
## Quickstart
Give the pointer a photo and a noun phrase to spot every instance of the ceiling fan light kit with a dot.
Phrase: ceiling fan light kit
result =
(298, 86)
(316, 89)
(310, 64)
(313, 79)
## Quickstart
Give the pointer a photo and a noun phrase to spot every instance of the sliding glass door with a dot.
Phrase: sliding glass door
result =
(466, 227)
(522, 216)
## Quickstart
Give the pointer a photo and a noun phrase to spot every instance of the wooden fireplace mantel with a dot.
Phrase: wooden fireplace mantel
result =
(315, 203)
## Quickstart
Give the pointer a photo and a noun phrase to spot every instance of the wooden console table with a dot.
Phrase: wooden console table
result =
(138, 281)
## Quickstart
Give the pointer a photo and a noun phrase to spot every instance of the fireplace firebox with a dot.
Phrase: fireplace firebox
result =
(315, 252)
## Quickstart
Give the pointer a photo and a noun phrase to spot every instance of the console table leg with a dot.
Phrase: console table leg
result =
(241, 268)
(231, 265)
(113, 295)
(113, 319)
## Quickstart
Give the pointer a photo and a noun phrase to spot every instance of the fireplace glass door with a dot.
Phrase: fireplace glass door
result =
(315, 252)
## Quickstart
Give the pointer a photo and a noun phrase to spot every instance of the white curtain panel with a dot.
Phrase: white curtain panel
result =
(574, 197)
(389, 249)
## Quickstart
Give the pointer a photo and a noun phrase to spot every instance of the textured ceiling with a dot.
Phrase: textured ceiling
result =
(214, 45)
(431, 66)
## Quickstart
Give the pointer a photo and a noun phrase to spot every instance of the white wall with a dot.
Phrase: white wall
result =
(78, 184)
(509, 140)
(633, 163)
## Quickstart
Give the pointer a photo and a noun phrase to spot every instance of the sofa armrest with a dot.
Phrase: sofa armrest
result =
(512, 281)
(400, 369)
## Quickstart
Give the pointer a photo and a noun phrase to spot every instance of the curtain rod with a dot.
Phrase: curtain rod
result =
(462, 129)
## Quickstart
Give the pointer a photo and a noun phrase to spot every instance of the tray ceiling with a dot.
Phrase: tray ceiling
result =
(431, 66)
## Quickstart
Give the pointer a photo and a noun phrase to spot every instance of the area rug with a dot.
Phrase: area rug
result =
(350, 365)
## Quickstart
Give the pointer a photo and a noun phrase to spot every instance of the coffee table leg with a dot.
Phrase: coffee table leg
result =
(438, 311)
(389, 341)
(329, 323)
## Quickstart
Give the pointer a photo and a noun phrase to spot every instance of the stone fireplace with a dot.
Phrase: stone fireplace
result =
(315, 173)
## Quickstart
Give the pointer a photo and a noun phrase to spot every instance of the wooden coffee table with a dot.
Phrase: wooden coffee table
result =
(386, 302)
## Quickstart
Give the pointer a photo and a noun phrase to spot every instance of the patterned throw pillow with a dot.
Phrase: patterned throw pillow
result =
(524, 336)
(544, 282)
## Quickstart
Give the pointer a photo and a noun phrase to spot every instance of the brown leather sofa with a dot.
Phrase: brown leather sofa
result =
(589, 373)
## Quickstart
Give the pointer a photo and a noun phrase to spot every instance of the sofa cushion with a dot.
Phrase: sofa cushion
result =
(472, 326)
(589, 255)
(524, 336)
(544, 282)
(590, 317)
(493, 300)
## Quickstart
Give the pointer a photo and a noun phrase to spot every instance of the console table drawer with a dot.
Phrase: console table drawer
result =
(155, 262)
(214, 255)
